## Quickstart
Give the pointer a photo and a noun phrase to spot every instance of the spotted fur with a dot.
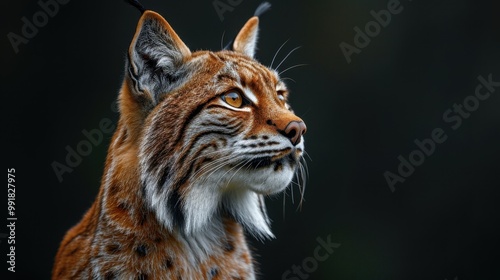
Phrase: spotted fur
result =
(187, 168)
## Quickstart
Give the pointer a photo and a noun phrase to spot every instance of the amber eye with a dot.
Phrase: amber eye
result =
(233, 98)
(281, 95)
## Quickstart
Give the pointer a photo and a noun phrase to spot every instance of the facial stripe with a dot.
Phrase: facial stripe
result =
(175, 206)
(188, 120)
(228, 133)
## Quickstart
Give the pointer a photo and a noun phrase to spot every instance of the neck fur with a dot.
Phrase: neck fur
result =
(206, 210)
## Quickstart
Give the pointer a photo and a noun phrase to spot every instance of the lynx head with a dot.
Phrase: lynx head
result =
(214, 130)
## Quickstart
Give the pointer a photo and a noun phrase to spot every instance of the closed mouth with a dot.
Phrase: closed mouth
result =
(286, 155)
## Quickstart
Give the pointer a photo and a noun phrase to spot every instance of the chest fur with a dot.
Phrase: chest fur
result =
(151, 252)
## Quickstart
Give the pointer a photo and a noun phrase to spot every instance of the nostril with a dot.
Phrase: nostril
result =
(294, 131)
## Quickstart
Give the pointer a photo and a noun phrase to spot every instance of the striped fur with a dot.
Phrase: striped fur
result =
(187, 170)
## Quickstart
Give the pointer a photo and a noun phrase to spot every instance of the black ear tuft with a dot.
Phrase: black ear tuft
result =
(136, 4)
(229, 46)
(262, 8)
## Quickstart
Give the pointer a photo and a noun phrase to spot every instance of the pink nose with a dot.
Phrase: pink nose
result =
(294, 131)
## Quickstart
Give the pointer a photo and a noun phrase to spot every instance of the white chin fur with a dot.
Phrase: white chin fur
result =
(264, 181)
(232, 193)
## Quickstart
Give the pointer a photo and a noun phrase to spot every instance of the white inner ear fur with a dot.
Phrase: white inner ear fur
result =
(246, 41)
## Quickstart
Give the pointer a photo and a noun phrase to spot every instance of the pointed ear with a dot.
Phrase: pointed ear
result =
(246, 40)
(155, 57)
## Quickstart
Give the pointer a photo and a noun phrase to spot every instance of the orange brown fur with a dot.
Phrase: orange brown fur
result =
(181, 149)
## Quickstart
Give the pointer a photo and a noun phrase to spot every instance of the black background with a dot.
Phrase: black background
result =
(441, 223)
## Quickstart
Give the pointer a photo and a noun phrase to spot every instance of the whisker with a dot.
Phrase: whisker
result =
(212, 167)
(220, 161)
(286, 78)
(222, 40)
(230, 169)
(284, 203)
(291, 67)
(277, 67)
(304, 162)
(219, 151)
(234, 174)
(307, 154)
(214, 162)
(302, 184)
(220, 157)
(211, 171)
(274, 57)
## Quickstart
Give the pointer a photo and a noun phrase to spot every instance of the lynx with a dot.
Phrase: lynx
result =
(202, 138)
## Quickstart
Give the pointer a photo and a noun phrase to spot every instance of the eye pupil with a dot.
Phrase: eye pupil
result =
(233, 98)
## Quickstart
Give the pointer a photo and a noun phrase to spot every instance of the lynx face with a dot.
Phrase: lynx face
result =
(216, 131)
